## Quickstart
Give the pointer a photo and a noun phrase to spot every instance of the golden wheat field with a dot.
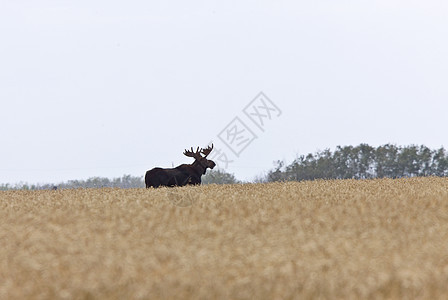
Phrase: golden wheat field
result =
(344, 239)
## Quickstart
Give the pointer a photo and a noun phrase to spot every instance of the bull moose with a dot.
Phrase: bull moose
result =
(184, 174)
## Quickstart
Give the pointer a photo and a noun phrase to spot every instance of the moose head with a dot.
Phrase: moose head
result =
(201, 162)
(183, 174)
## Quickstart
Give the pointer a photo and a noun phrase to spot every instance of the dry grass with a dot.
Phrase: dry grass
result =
(324, 239)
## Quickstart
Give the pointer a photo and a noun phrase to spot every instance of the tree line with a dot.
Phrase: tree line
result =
(126, 181)
(217, 176)
(364, 162)
(345, 162)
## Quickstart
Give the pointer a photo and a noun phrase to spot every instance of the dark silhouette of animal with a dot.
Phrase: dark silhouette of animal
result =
(184, 174)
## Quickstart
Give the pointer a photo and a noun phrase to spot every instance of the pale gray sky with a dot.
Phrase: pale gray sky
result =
(106, 88)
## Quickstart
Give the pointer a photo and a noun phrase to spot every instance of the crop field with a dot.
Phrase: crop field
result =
(337, 239)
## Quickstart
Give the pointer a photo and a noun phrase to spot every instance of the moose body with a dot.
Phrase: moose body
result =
(183, 174)
(170, 177)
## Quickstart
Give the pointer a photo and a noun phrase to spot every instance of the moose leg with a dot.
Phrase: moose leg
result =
(153, 182)
(172, 182)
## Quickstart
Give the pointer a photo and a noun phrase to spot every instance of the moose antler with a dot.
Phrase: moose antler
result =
(207, 150)
(192, 153)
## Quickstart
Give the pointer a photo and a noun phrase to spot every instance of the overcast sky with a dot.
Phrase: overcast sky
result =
(106, 88)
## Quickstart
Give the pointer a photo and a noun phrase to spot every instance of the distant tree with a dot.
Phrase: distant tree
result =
(5, 187)
(343, 162)
(324, 165)
(365, 161)
(425, 159)
(439, 164)
(386, 160)
(219, 176)
(408, 165)
(277, 174)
